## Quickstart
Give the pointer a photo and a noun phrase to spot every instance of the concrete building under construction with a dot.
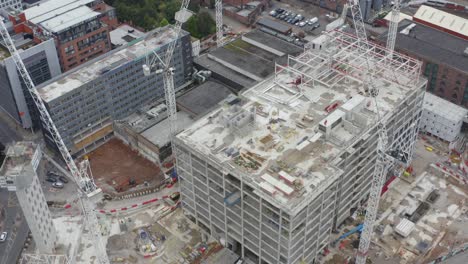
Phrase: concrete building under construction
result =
(271, 173)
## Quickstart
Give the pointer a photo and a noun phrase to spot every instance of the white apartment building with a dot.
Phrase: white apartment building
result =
(271, 174)
(442, 118)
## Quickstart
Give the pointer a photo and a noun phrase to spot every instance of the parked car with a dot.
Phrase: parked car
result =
(3, 236)
(316, 25)
(58, 185)
(279, 10)
(312, 21)
(301, 24)
(273, 13)
(51, 179)
(63, 179)
(52, 174)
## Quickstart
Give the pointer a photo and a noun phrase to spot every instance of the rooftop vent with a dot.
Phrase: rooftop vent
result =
(465, 52)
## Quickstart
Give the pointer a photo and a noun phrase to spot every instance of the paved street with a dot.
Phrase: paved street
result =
(9, 202)
(458, 259)
(7, 134)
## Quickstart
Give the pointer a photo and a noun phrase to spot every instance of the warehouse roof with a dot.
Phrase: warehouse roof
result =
(203, 98)
(87, 72)
(273, 42)
(56, 15)
(439, 18)
(273, 138)
(277, 26)
(431, 44)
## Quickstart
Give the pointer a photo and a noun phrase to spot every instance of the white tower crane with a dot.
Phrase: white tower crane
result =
(384, 161)
(219, 23)
(157, 65)
(86, 184)
(392, 29)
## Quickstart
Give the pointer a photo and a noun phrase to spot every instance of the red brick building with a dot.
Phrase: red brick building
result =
(80, 28)
(444, 56)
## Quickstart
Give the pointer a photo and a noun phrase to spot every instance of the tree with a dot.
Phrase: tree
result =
(163, 22)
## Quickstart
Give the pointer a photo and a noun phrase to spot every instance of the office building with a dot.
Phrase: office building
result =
(42, 63)
(84, 102)
(80, 28)
(273, 172)
(16, 4)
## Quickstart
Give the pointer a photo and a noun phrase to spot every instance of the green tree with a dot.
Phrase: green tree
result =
(163, 22)
(192, 26)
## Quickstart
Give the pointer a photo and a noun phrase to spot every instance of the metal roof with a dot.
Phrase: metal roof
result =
(431, 44)
(280, 27)
(58, 15)
(443, 19)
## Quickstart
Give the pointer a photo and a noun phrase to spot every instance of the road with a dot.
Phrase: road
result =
(9, 202)
(458, 259)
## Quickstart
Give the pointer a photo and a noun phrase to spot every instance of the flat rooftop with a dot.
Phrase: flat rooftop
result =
(124, 34)
(444, 108)
(87, 72)
(431, 44)
(159, 134)
(17, 156)
(203, 98)
(58, 15)
(273, 42)
(219, 69)
(247, 58)
(285, 136)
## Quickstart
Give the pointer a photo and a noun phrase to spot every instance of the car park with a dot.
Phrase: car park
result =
(3, 236)
(63, 179)
(58, 185)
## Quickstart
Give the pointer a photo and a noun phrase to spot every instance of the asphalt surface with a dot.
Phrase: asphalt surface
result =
(458, 259)
(9, 202)
(7, 134)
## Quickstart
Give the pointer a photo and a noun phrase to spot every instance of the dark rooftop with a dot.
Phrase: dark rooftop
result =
(247, 57)
(432, 44)
(203, 98)
(221, 70)
(280, 27)
(274, 42)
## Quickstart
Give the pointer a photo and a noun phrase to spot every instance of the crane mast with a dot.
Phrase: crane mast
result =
(219, 23)
(87, 187)
(392, 29)
(383, 160)
(158, 65)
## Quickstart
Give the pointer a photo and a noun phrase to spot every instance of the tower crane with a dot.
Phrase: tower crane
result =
(157, 65)
(219, 23)
(386, 159)
(392, 29)
(87, 187)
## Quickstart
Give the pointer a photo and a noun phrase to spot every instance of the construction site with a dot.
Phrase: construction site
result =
(117, 168)
(298, 149)
(307, 155)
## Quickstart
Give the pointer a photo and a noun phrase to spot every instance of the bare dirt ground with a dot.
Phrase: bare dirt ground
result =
(114, 164)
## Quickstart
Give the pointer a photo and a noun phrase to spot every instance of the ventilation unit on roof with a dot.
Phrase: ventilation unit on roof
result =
(465, 52)
(407, 29)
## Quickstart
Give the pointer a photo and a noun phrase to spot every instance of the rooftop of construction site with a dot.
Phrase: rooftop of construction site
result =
(284, 135)
(17, 156)
(87, 72)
